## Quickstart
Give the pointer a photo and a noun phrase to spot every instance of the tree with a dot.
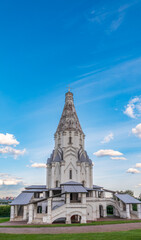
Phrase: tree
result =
(130, 192)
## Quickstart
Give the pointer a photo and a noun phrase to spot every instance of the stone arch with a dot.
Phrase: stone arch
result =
(77, 216)
(60, 220)
(116, 211)
(75, 212)
(110, 209)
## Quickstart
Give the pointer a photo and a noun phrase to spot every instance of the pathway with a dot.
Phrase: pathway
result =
(83, 229)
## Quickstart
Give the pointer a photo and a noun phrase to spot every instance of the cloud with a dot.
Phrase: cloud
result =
(10, 181)
(117, 22)
(137, 130)
(107, 152)
(10, 185)
(133, 108)
(119, 158)
(108, 138)
(8, 139)
(133, 170)
(138, 165)
(12, 151)
(111, 17)
(38, 165)
(7, 179)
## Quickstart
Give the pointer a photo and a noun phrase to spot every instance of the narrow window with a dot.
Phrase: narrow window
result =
(83, 183)
(70, 140)
(39, 209)
(56, 183)
(70, 174)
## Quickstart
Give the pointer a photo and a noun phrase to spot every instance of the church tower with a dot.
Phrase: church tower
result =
(69, 160)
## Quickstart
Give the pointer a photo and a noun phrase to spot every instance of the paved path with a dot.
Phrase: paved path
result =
(83, 229)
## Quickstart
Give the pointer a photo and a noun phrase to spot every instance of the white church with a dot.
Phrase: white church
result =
(69, 194)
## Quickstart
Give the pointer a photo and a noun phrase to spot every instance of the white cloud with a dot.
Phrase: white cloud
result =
(108, 138)
(119, 158)
(138, 165)
(133, 108)
(107, 152)
(11, 181)
(8, 139)
(1, 182)
(8, 180)
(133, 170)
(12, 151)
(116, 23)
(137, 130)
(38, 165)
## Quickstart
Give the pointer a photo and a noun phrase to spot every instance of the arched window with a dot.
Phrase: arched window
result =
(70, 174)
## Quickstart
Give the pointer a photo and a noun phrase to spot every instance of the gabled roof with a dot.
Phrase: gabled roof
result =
(71, 183)
(126, 198)
(22, 199)
(74, 189)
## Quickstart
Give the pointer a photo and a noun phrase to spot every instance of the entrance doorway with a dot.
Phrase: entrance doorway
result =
(76, 219)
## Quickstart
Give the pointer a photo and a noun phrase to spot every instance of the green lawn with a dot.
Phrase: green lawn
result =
(128, 235)
(5, 219)
(71, 225)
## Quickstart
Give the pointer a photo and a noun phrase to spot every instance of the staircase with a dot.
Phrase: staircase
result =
(59, 212)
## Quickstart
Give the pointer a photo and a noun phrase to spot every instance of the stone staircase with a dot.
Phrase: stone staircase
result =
(59, 212)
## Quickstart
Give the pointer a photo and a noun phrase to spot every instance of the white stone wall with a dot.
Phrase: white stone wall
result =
(59, 171)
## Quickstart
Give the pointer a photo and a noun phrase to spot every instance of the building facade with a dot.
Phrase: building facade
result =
(69, 194)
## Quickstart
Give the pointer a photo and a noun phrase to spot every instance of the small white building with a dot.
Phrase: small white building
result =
(69, 194)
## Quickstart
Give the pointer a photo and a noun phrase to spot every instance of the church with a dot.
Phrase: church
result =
(69, 194)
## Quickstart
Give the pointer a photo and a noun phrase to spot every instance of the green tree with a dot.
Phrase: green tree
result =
(130, 192)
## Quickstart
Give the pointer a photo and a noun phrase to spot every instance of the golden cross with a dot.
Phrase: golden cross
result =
(69, 88)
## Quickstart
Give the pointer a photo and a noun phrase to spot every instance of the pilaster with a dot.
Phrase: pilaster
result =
(12, 213)
(31, 213)
(128, 211)
(139, 210)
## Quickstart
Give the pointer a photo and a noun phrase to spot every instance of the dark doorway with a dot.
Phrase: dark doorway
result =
(76, 219)
(110, 210)
(101, 212)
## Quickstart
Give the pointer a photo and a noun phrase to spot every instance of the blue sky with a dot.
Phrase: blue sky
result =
(95, 46)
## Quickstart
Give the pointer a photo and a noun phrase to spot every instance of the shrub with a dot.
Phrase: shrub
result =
(5, 211)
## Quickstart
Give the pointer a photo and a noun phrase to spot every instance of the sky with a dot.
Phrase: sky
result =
(95, 47)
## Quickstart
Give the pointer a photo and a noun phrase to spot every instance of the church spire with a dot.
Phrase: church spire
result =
(69, 119)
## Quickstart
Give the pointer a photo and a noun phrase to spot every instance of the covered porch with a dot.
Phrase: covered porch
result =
(126, 203)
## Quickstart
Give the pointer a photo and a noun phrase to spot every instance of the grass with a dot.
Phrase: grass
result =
(71, 225)
(128, 235)
(4, 219)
